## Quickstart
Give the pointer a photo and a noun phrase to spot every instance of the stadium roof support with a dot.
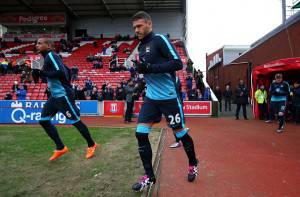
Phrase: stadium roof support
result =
(107, 8)
(27, 5)
(68, 8)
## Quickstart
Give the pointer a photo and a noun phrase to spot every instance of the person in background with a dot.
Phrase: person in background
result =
(15, 87)
(120, 93)
(241, 100)
(88, 85)
(207, 94)
(94, 94)
(261, 99)
(8, 96)
(279, 92)
(80, 95)
(227, 97)
(193, 94)
(129, 101)
(189, 82)
(296, 102)
(109, 93)
(21, 93)
(218, 94)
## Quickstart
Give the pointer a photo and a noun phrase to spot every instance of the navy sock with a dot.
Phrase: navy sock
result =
(145, 152)
(81, 127)
(189, 149)
(52, 133)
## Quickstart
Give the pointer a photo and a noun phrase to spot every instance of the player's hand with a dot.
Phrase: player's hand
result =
(143, 67)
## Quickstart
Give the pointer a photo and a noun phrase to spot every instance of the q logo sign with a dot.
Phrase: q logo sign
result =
(18, 115)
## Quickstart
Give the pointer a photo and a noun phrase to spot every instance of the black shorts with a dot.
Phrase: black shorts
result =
(278, 106)
(152, 111)
(65, 105)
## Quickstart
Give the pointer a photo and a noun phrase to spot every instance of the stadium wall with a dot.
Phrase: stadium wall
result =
(169, 22)
(282, 42)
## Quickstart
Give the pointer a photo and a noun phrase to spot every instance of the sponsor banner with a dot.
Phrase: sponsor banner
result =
(33, 19)
(197, 107)
(33, 37)
(23, 112)
(189, 108)
(113, 108)
(137, 107)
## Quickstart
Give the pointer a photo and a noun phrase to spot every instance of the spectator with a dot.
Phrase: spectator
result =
(103, 88)
(104, 50)
(261, 99)
(97, 64)
(199, 80)
(241, 99)
(4, 66)
(207, 94)
(296, 102)
(88, 85)
(132, 72)
(90, 58)
(79, 94)
(123, 83)
(21, 93)
(8, 96)
(120, 93)
(227, 97)
(200, 97)
(109, 93)
(94, 94)
(136, 92)
(189, 82)
(193, 94)
(74, 73)
(218, 94)
(95, 44)
(15, 87)
(24, 86)
(129, 101)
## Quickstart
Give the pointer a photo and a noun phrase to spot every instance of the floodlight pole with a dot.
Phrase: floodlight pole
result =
(283, 4)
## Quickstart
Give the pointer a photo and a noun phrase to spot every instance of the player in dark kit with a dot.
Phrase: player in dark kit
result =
(61, 99)
(158, 61)
(279, 92)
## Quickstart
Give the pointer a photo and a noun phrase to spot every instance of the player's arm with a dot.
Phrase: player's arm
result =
(168, 51)
(54, 65)
(174, 62)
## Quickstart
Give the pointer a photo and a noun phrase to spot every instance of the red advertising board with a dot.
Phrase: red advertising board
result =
(113, 108)
(34, 37)
(137, 107)
(33, 19)
(189, 108)
(197, 108)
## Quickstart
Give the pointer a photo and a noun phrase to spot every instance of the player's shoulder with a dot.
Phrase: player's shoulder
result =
(160, 38)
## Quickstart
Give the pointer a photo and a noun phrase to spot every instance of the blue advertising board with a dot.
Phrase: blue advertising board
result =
(29, 111)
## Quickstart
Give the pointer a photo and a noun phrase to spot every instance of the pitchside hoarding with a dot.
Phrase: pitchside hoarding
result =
(190, 108)
(23, 112)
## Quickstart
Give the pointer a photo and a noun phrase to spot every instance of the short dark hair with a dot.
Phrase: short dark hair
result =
(278, 76)
(141, 15)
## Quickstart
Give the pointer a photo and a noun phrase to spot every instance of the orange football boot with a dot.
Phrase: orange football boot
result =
(90, 151)
(58, 153)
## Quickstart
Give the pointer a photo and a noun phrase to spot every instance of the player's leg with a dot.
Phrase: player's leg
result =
(281, 115)
(48, 112)
(148, 115)
(68, 107)
(173, 111)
